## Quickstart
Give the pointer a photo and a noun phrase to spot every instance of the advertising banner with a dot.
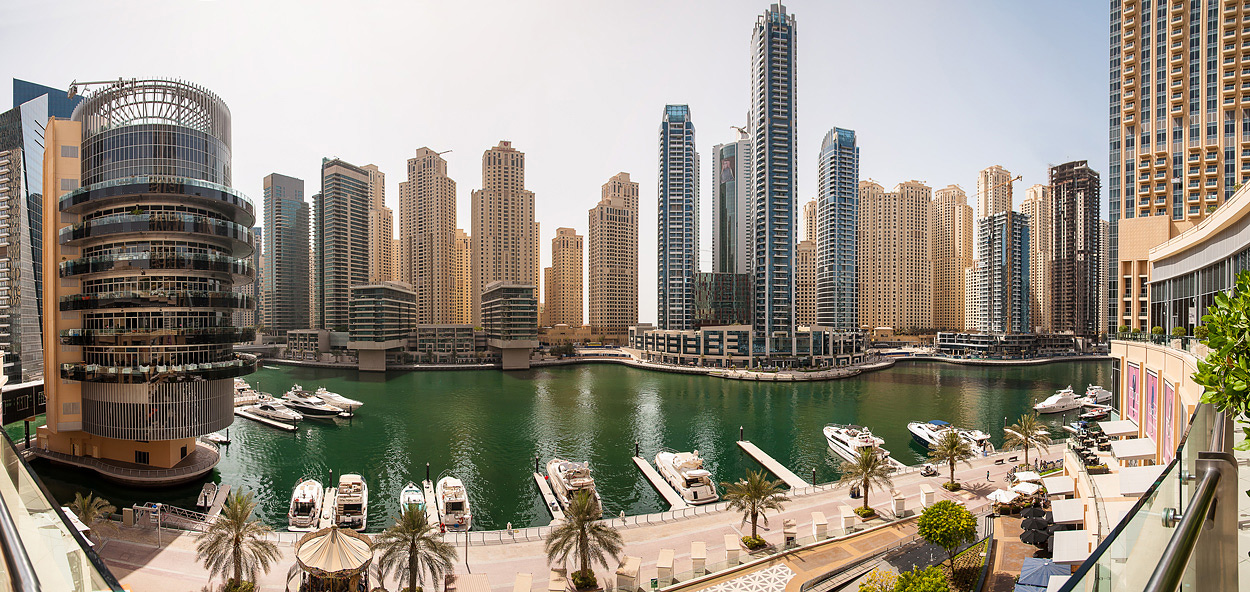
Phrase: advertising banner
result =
(1152, 404)
(1133, 398)
(1169, 421)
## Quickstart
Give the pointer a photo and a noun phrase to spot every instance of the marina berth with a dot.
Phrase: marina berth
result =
(304, 514)
(568, 478)
(685, 472)
(411, 495)
(847, 441)
(351, 509)
(308, 404)
(1062, 401)
(453, 504)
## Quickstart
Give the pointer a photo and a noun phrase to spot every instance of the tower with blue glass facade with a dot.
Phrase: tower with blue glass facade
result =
(678, 208)
(837, 245)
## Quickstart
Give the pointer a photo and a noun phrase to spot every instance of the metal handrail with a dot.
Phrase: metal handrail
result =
(21, 571)
(1175, 558)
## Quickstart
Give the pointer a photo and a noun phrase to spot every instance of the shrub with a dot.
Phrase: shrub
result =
(865, 513)
(1124, 328)
(1202, 332)
(947, 525)
(1225, 373)
(1156, 330)
(952, 486)
(234, 585)
(584, 580)
(754, 543)
(1179, 332)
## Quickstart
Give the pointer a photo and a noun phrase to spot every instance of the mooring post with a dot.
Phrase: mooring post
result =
(740, 438)
(535, 463)
(813, 476)
(636, 448)
(427, 471)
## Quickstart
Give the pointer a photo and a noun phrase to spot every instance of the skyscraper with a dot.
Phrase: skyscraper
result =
(462, 279)
(21, 238)
(504, 234)
(771, 124)
(1037, 206)
(341, 220)
(805, 283)
(678, 254)
(612, 257)
(60, 104)
(837, 231)
(1003, 285)
(810, 217)
(1074, 250)
(427, 226)
(993, 191)
(563, 298)
(731, 206)
(284, 293)
(950, 246)
(381, 227)
(249, 316)
(895, 270)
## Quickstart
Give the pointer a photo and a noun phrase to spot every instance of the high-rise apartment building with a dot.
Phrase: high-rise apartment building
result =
(993, 191)
(144, 251)
(427, 229)
(1003, 286)
(950, 246)
(21, 238)
(805, 283)
(284, 293)
(1074, 253)
(731, 206)
(837, 231)
(1037, 204)
(974, 289)
(462, 279)
(381, 228)
(59, 103)
(774, 150)
(895, 270)
(612, 258)
(1176, 130)
(249, 316)
(504, 234)
(809, 220)
(678, 234)
(1104, 230)
(341, 253)
(563, 299)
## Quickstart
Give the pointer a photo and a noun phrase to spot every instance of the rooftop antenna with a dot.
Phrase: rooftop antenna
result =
(441, 153)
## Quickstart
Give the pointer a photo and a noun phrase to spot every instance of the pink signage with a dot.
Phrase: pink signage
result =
(1133, 392)
(1169, 421)
(1152, 404)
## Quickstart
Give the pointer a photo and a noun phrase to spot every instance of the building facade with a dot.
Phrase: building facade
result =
(1074, 254)
(612, 272)
(381, 228)
(837, 231)
(895, 268)
(284, 294)
(462, 279)
(383, 314)
(504, 235)
(21, 238)
(250, 316)
(1003, 286)
(563, 299)
(341, 253)
(427, 213)
(950, 246)
(510, 320)
(730, 346)
(805, 284)
(993, 191)
(678, 232)
(722, 299)
(810, 217)
(731, 206)
(1037, 204)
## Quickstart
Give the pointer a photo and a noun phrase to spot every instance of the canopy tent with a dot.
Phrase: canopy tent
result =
(1068, 511)
(1134, 449)
(1135, 481)
(340, 556)
(1071, 547)
(1026, 488)
(1002, 496)
(1059, 485)
(1056, 583)
(1025, 476)
(1119, 428)
(1037, 572)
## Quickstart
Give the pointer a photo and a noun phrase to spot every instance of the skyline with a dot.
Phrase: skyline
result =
(959, 87)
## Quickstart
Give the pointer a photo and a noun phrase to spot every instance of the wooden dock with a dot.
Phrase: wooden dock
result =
(223, 491)
(773, 466)
(431, 503)
(329, 501)
(549, 498)
(265, 420)
(669, 494)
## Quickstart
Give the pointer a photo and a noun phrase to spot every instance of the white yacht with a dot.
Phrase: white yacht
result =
(332, 398)
(848, 440)
(351, 504)
(685, 472)
(308, 404)
(453, 504)
(1064, 400)
(1095, 412)
(275, 411)
(1095, 395)
(928, 433)
(568, 478)
(305, 511)
(411, 495)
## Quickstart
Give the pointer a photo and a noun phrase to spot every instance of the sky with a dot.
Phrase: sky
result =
(936, 91)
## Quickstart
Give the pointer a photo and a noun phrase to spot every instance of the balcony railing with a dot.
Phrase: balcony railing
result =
(160, 261)
(241, 365)
(171, 336)
(162, 298)
(156, 222)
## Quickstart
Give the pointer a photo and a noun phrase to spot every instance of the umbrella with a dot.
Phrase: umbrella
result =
(1034, 524)
(1027, 588)
(1033, 513)
(333, 553)
(1028, 476)
(1037, 572)
(1026, 488)
(1002, 496)
(1034, 537)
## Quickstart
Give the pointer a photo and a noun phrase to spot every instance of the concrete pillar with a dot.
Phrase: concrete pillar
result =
(790, 530)
(664, 567)
(848, 518)
(820, 526)
(698, 557)
(733, 549)
(900, 504)
(926, 495)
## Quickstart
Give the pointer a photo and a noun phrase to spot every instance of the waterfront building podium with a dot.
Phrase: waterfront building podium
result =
(383, 315)
(510, 318)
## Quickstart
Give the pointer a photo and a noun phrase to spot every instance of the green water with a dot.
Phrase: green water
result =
(486, 427)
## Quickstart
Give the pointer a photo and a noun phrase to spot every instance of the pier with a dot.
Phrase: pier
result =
(773, 466)
(329, 502)
(669, 494)
(431, 503)
(214, 509)
(265, 420)
(549, 498)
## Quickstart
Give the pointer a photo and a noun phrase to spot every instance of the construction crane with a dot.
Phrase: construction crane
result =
(1010, 197)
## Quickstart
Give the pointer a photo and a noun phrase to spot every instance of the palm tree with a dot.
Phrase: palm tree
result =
(93, 512)
(950, 449)
(868, 469)
(1027, 433)
(583, 536)
(754, 496)
(234, 544)
(409, 544)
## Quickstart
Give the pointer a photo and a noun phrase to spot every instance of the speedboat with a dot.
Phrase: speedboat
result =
(332, 398)
(305, 511)
(1096, 412)
(412, 495)
(208, 494)
(453, 504)
(218, 438)
(929, 433)
(351, 504)
(1064, 400)
(275, 411)
(685, 472)
(308, 404)
(568, 478)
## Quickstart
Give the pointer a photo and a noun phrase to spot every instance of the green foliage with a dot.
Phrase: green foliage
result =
(879, 580)
(947, 525)
(583, 536)
(1179, 332)
(929, 579)
(1201, 332)
(237, 586)
(410, 545)
(1157, 330)
(754, 496)
(951, 448)
(867, 470)
(952, 486)
(563, 349)
(94, 512)
(1225, 373)
(1135, 330)
(1028, 432)
(1124, 328)
(754, 542)
(234, 545)
(584, 580)
(865, 512)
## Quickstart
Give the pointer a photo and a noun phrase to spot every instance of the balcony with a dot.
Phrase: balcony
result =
(156, 337)
(240, 268)
(157, 298)
(241, 365)
(120, 224)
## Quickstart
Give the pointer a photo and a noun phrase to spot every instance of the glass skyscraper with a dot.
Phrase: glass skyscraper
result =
(284, 291)
(731, 206)
(837, 278)
(678, 236)
(21, 238)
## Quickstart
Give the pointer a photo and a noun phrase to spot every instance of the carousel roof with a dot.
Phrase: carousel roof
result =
(333, 552)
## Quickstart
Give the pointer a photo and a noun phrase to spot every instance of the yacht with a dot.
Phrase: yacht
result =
(848, 440)
(332, 398)
(1096, 412)
(275, 411)
(1064, 400)
(685, 472)
(1095, 395)
(351, 504)
(928, 434)
(208, 494)
(305, 512)
(411, 495)
(308, 404)
(567, 478)
(453, 504)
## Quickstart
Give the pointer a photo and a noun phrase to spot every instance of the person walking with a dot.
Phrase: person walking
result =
(987, 475)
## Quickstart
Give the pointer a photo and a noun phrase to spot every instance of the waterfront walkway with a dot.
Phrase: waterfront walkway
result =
(140, 563)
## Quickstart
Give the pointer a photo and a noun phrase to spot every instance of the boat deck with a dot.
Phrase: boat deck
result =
(549, 498)
(265, 420)
(773, 466)
(431, 503)
(669, 494)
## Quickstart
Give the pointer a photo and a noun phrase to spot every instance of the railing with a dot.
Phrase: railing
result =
(163, 336)
(157, 261)
(158, 184)
(1187, 343)
(240, 365)
(112, 469)
(170, 298)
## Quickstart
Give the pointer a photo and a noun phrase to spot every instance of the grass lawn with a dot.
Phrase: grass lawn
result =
(968, 566)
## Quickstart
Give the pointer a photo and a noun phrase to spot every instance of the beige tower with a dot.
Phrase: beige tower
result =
(462, 274)
(381, 227)
(562, 300)
(397, 261)
(427, 226)
(950, 245)
(993, 191)
(538, 255)
(613, 259)
(809, 222)
(805, 282)
(895, 270)
(504, 234)
(1037, 206)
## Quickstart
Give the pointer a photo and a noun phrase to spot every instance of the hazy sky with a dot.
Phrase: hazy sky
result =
(935, 90)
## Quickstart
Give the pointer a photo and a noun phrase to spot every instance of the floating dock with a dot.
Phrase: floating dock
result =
(223, 491)
(431, 503)
(265, 420)
(329, 501)
(549, 498)
(773, 466)
(669, 494)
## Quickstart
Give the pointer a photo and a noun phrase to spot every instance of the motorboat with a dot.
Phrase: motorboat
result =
(305, 511)
(453, 504)
(1095, 395)
(1063, 400)
(1096, 412)
(412, 495)
(929, 433)
(351, 504)
(208, 494)
(309, 404)
(333, 398)
(848, 440)
(685, 472)
(568, 478)
(218, 437)
(276, 411)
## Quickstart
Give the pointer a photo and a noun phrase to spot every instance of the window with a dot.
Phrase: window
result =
(141, 457)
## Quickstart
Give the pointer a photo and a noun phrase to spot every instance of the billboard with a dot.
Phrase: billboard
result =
(1169, 421)
(1133, 396)
(1151, 404)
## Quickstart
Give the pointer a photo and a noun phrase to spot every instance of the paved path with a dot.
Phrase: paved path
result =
(670, 495)
(1009, 555)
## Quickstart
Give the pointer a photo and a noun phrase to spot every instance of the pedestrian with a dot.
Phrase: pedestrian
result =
(987, 475)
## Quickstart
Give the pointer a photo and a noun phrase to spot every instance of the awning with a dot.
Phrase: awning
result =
(1061, 485)
(1135, 481)
(1028, 476)
(1069, 511)
(1118, 429)
(1134, 449)
(1026, 488)
(1002, 496)
(1071, 546)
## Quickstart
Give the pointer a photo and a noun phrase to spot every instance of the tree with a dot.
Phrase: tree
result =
(1028, 432)
(1201, 332)
(868, 469)
(410, 545)
(583, 536)
(950, 449)
(879, 580)
(947, 525)
(234, 544)
(754, 496)
(929, 579)
(1225, 373)
(1179, 332)
(1156, 330)
(1124, 328)
(93, 512)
